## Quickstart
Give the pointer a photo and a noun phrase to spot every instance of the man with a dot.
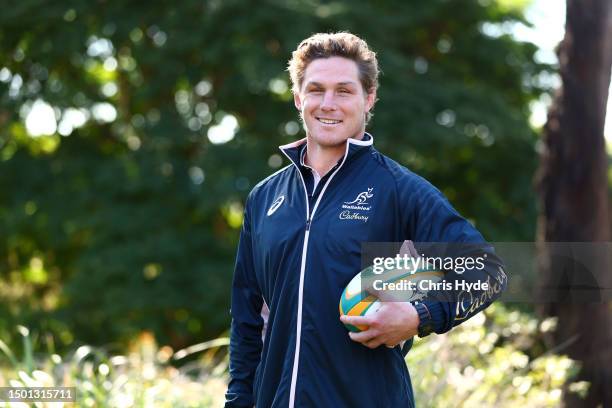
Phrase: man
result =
(301, 244)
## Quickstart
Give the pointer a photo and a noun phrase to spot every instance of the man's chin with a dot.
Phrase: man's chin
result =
(331, 140)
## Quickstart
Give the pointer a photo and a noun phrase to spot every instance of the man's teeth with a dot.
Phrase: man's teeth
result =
(329, 121)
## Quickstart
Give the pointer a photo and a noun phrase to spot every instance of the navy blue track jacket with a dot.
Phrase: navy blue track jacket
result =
(297, 253)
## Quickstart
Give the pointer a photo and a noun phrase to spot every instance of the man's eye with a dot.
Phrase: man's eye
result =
(316, 90)
(344, 91)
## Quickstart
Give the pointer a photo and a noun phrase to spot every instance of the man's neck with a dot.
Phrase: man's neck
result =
(322, 158)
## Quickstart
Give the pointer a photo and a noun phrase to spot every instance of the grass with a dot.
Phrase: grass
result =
(485, 362)
(143, 377)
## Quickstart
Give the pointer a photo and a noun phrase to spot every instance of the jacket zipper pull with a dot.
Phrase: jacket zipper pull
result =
(308, 224)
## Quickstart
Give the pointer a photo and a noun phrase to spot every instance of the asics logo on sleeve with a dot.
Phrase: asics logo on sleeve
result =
(277, 203)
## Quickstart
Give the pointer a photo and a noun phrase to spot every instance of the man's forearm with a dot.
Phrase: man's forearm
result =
(468, 293)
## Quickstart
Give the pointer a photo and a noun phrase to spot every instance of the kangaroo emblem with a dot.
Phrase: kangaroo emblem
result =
(362, 198)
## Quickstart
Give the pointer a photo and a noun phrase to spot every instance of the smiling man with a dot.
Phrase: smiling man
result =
(300, 245)
(333, 105)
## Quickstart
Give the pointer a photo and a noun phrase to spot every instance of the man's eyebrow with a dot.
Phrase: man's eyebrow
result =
(344, 83)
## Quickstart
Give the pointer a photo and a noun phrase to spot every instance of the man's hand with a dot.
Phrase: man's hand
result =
(393, 323)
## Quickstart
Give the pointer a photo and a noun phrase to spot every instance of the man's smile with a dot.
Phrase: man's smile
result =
(329, 121)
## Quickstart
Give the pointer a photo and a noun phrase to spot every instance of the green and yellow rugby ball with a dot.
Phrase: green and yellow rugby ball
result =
(356, 300)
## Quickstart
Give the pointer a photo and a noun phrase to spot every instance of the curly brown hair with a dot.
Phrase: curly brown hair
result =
(341, 44)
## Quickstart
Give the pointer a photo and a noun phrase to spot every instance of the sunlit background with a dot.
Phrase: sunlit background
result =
(546, 16)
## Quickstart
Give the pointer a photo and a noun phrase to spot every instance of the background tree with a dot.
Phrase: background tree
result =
(573, 190)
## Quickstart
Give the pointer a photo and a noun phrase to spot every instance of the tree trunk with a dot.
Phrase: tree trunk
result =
(573, 191)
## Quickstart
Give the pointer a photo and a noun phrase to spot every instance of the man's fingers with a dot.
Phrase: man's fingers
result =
(364, 336)
(373, 344)
(367, 337)
(356, 320)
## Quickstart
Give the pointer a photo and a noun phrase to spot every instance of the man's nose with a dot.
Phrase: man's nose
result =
(328, 102)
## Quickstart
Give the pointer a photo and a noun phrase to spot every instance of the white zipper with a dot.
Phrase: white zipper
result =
(300, 288)
(309, 218)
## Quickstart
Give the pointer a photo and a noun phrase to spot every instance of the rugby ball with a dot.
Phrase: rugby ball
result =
(404, 284)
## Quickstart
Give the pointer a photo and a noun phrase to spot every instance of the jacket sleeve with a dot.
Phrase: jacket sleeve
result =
(432, 221)
(247, 323)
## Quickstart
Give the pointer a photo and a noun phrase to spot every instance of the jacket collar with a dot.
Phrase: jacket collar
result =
(353, 146)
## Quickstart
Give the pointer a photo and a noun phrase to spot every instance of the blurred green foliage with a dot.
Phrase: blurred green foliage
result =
(486, 362)
(129, 221)
(490, 361)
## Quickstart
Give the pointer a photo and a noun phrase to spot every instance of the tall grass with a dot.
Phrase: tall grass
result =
(486, 362)
(143, 377)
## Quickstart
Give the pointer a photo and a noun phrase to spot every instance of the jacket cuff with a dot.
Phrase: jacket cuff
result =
(438, 315)
(238, 399)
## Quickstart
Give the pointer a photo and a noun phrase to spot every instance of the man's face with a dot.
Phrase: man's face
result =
(332, 101)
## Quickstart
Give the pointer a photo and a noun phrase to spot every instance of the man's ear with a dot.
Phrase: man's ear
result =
(370, 100)
(296, 101)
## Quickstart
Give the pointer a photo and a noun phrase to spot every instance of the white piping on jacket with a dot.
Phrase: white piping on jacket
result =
(265, 315)
(309, 218)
